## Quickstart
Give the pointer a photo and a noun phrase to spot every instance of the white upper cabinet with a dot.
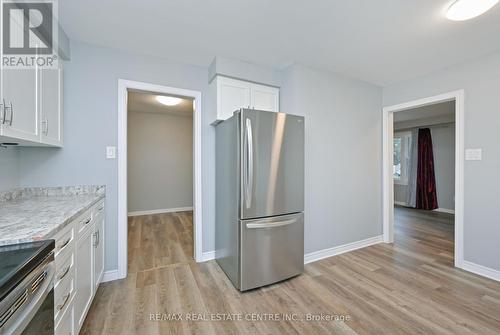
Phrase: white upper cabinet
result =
(265, 98)
(31, 112)
(51, 117)
(30, 106)
(19, 110)
(233, 94)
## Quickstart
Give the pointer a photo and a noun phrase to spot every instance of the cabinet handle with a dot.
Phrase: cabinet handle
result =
(11, 113)
(2, 109)
(66, 298)
(4, 112)
(96, 239)
(45, 127)
(61, 247)
(64, 273)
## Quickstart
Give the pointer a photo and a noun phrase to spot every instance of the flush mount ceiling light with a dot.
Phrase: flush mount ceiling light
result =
(168, 101)
(462, 10)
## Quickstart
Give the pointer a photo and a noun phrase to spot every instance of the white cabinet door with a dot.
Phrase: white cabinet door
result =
(65, 325)
(98, 250)
(20, 89)
(84, 277)
(264, 98)
(51, 106)
(231, 95)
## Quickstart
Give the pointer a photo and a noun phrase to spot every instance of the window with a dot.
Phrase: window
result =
(402, 145)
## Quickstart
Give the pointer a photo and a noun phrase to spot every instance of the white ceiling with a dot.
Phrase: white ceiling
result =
(380, 41)
(145, 102)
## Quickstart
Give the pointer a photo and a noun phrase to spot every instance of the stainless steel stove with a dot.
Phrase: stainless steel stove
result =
(27, 288)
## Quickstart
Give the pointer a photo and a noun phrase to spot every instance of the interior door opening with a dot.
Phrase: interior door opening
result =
(161, 195)
(417, 122)
(424, 179)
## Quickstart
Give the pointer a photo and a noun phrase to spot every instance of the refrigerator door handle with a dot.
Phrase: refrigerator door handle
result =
(257, 225)
(249, 167)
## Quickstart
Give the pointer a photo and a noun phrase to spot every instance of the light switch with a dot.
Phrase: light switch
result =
(110, 152)
(473, 154)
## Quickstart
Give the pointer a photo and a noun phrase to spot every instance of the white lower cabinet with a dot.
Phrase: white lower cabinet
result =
(84, 276)
(98, 250)
(79, 259)
(65, 326)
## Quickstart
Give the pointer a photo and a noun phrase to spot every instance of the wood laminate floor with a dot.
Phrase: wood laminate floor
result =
(408, 287)
(159, 240)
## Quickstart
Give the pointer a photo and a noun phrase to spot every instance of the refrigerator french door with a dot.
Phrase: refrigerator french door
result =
(272, 168)
(260, 197)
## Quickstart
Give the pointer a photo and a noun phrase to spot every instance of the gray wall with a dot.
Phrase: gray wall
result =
(481, 81)
(343, 142)
(160, 161)
(343, 155)
(443, 144)
(90, 123)
(9, 168)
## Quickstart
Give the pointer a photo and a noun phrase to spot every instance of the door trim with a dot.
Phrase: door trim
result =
(387, 158)
(123, 87)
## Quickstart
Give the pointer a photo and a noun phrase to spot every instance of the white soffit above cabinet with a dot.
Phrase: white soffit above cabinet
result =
(382, 41)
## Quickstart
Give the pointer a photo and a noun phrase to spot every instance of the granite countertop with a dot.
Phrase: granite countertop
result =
(33, 214)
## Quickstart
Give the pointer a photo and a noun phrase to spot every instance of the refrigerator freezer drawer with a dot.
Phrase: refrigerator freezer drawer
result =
(272, 249)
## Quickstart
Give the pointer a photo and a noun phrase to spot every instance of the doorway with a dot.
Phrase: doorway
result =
(390, 170)
(152, 206)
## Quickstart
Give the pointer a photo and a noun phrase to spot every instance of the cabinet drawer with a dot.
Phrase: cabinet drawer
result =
(98, 209)
(65, 267)
(65, 241)
(65, 325)
(63, 295)
(84, 222)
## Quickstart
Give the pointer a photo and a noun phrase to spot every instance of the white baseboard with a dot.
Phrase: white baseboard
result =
(441, 210)
(160, 211)
(325, 253)
(317, 255)
(206, 256)
(445, 210)
(110, 276)
(481, 270)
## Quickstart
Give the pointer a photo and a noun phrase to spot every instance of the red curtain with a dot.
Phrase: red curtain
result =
(426, 180)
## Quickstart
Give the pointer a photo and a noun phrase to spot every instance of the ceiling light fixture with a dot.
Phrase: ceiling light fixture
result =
(168, 101)
(462, 10)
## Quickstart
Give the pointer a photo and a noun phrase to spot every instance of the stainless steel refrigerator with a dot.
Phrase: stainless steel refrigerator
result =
(259, 235)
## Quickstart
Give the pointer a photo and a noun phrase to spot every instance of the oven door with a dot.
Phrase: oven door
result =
(42, 321)
(29, 308)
